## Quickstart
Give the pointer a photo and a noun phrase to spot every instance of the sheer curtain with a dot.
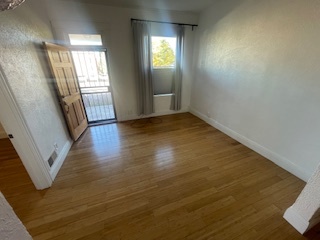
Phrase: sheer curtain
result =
(143, 59)
(177, 82)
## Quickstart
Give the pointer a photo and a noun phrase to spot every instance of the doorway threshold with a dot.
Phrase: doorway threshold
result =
(103, 122)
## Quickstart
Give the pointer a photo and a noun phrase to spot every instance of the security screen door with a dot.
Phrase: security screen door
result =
(93, 75)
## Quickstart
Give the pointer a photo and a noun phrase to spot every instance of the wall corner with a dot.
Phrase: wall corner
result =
(296, 220)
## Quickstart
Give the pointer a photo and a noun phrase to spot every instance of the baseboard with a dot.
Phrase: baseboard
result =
(168, 112)
(157, 114)
(296, 220)
(60, 159)
(272, 156)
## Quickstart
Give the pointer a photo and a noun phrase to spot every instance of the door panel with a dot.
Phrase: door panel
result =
(66, 81)
(61, 81)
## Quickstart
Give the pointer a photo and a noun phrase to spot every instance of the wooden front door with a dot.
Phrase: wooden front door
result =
(63, 70)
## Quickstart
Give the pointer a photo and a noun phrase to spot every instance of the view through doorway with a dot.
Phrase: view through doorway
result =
(93, 75)
(94, 83)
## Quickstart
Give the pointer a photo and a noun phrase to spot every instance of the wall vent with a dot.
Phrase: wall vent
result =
(52, 158)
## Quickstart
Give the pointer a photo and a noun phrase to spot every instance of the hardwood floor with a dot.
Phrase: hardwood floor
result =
(174, 178)
(14, 179)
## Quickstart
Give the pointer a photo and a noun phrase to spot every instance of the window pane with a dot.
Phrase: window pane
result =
(162, 80)
(163, 52)
(85, 39)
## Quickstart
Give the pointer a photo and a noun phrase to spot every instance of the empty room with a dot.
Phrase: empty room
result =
(159, 119)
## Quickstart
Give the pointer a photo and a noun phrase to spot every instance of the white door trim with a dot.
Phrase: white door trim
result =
(14, 123)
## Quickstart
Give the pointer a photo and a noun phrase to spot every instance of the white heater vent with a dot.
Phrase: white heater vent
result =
(52, 158)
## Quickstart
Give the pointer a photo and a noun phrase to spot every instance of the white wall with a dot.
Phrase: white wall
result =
(25, 66)
(115, 26)
(11, 227)
(305, 212)
(258, 77)
(3, 134)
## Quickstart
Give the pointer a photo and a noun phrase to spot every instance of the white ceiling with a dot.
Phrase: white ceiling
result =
(195, 6)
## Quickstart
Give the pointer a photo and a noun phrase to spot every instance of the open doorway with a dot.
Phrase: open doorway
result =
(91, 64)
(14, 124)
(94, 83)
(13, 175)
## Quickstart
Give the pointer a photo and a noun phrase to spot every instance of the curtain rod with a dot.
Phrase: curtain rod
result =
(183, 24)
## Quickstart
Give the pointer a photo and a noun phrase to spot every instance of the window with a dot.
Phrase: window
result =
(163, 52)
(85, 39)
(164, 60)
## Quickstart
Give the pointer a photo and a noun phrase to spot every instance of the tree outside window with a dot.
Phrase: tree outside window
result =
(163, 52)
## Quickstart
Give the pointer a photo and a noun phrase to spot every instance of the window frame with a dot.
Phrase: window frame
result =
(84, 34)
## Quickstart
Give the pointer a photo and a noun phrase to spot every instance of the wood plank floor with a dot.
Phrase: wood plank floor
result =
(174, 177)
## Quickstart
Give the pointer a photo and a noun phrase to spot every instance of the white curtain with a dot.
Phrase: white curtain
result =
(177, 82)
(143, 59)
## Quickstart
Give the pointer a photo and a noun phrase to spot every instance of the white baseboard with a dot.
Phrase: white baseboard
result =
(296, 220)
(168, 112)
(156, 114)
(60, 159)
(274, 157)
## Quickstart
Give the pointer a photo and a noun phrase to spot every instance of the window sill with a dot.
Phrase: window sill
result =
(163, 68)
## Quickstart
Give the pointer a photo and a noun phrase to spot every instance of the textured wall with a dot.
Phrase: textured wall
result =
(305, 212)
(258, 75)
(114, 25)
(10, 225)
(23, 62)
(308, 202)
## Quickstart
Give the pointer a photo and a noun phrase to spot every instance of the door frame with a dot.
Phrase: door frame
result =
(98, 49)
(61, 29)
(14, 123)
